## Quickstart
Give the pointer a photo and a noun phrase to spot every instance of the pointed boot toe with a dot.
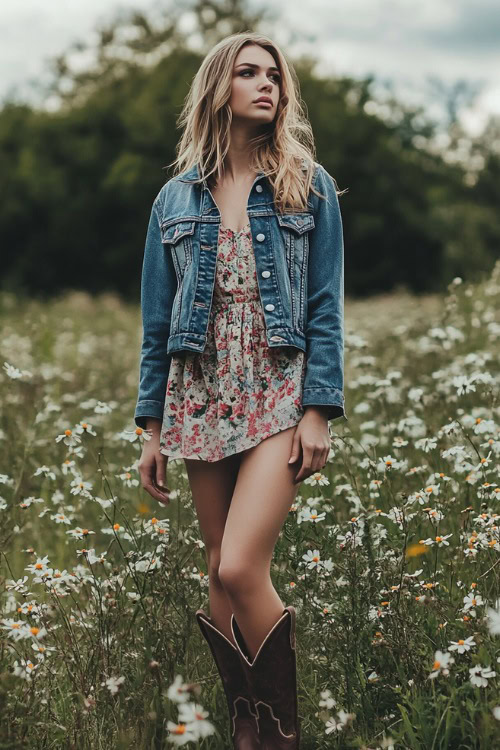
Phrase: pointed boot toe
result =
(243, 716)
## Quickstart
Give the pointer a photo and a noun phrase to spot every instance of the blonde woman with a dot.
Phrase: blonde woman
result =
(242, 355)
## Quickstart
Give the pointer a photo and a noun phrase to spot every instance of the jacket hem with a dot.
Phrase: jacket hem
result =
(276, 337)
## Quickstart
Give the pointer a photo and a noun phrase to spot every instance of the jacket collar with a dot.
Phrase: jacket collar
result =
(190, 175)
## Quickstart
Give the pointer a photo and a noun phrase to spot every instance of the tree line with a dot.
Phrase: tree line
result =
(78, 180)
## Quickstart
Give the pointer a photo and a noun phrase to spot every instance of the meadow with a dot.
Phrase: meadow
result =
(390, 555)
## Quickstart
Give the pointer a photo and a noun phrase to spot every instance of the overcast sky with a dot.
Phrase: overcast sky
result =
(402, 40)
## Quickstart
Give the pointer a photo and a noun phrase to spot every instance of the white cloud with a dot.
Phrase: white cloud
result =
(395, 39)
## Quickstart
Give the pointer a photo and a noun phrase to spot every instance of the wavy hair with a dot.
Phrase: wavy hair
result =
(284, 150)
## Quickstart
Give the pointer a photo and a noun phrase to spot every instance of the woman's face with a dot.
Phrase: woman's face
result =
(255, 75)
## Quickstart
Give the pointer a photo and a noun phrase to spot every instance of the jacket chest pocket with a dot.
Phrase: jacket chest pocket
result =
(177, 236)
(296, 230)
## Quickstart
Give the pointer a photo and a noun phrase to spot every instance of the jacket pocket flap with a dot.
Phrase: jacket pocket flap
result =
(299, 223)
(174, 232)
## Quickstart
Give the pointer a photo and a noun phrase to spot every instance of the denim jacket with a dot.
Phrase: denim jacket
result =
(299, 260)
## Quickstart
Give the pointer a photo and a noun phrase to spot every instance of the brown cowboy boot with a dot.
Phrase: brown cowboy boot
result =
(242, 713)
(273, 683)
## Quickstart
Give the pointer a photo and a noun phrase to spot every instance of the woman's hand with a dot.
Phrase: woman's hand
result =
(312, 437)
(153, 464)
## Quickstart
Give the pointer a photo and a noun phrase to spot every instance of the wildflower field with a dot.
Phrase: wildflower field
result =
(391, 556)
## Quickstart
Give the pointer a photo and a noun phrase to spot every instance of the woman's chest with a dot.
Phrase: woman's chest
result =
(232, 202)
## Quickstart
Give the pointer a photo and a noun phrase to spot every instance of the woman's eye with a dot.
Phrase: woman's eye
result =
(274, 75)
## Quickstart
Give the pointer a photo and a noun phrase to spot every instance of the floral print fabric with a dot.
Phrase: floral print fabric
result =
(238, 391)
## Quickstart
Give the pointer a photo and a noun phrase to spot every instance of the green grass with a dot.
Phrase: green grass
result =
(404, 561)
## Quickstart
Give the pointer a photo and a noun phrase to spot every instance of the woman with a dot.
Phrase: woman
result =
(242, 355)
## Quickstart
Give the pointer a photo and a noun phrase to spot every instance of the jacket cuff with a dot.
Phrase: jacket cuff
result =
(147, 408)
(330, 398)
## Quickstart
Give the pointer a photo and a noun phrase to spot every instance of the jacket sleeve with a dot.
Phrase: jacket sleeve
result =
(324, 378)
(158, 288)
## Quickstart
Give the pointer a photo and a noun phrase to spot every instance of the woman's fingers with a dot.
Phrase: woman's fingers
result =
(149, 484)
(305, 469)
(314, 459)
(151, 474)
(161, 465)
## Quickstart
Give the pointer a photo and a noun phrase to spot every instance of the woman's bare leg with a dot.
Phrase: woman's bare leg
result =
(212, 485)
(261, 501)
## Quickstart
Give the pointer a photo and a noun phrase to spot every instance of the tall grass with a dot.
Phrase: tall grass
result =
(390, 556)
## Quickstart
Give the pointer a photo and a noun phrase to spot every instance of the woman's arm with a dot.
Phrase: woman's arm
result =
(324, 379)
(158, 288)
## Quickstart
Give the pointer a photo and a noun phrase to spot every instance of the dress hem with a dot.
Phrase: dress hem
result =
(253, 442)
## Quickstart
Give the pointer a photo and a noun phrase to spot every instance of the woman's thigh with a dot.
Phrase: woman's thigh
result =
(212, 485)
(262, 497)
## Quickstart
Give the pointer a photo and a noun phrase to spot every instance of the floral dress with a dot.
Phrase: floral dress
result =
(238, 391)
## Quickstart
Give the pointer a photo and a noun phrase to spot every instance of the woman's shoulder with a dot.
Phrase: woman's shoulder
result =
(174, 188)
(321, 181)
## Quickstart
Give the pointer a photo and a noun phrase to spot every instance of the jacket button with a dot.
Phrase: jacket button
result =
(276, 338)
(259, 188)
(266, 274)
(260, 237)
(270, 307)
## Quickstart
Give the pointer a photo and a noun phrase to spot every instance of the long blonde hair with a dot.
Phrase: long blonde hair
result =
(284, 150)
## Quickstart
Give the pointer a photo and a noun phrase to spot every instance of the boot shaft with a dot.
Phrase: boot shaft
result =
(242, 711)
(272, 678)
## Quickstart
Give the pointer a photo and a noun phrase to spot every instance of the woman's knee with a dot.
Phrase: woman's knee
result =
(240, 577)
(213, 561)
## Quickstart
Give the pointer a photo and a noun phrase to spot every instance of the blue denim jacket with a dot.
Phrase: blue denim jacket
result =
(299, 261)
